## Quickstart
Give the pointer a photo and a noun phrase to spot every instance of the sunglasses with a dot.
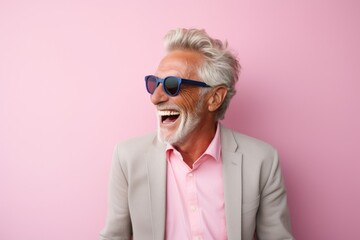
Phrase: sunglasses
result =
(171, 85)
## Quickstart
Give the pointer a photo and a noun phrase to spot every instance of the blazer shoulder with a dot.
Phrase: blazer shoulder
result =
(255, 153)
(248, 144)
(137, 147)
(145, 139)
(259, 158)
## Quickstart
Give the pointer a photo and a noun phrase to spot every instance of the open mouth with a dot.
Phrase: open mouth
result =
(169, 116)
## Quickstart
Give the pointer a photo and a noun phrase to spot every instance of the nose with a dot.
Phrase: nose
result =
(159, 96)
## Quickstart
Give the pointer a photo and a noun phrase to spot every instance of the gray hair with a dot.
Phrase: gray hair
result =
(220, 66)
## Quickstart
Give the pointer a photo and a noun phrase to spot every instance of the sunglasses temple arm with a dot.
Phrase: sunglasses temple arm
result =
(191, 82)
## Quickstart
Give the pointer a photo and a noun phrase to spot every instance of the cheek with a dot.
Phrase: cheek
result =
(187, 100)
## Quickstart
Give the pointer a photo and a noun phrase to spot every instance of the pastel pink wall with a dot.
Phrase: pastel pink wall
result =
(71, 86)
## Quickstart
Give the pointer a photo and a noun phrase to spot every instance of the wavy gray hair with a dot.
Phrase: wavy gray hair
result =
(220, 66)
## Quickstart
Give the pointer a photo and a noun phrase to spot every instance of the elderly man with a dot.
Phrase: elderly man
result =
(194, 178)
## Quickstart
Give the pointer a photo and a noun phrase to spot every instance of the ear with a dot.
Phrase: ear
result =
(217, 96)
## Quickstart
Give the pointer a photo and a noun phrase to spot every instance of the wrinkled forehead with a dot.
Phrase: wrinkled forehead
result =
(180, 63)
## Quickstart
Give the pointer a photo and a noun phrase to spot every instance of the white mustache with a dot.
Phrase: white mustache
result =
(165, 107)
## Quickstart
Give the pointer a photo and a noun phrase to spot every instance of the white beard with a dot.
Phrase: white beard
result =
(188, 122)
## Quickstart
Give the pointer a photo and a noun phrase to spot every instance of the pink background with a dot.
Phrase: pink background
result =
(71, 86)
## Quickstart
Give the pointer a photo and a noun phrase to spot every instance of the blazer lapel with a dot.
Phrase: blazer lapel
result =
(232, 167)
(156, 166)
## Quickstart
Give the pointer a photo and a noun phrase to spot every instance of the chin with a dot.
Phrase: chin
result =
(185, 124)
(179, 135)
(169, 138)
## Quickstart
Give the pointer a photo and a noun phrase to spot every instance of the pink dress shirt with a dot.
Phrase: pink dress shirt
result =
(195, 197)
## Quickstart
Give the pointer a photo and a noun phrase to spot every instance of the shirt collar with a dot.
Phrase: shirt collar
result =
(214, 148)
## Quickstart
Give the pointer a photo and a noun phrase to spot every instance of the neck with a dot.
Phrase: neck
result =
(196, 144)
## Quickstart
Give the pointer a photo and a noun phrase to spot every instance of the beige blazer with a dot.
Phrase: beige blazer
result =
(255, 197)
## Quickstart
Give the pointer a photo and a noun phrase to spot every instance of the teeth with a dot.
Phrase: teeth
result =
(168, 113)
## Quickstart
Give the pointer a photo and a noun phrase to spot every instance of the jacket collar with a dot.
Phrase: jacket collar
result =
(232, 167)
(232, 177)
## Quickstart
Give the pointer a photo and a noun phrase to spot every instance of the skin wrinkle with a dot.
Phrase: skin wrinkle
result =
(195, 117)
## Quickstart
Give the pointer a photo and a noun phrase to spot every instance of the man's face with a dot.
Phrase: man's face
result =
(179, 116)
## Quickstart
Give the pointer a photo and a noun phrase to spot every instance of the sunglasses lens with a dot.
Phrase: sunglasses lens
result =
(171, 85)
(151, 84)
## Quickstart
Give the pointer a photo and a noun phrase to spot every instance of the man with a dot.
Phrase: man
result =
(194, 178)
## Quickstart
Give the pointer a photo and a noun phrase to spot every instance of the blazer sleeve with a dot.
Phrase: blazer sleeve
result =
(118, 222)
(273, 220)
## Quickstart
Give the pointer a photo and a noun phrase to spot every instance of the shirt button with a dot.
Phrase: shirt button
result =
(190, 175)
(193, 208)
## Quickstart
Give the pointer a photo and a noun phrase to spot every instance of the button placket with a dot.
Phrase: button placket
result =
(193, 206)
